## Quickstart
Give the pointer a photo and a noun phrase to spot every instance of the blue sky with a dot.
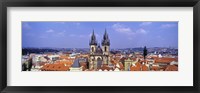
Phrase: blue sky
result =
(121, 34)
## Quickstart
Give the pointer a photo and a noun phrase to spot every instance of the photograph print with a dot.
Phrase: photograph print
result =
(99, 46)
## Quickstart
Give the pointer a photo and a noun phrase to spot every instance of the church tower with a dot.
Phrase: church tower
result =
(106, 48)
(99, 56)
(93, 43)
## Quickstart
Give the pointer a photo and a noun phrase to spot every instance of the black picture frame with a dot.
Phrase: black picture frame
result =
(99, 3)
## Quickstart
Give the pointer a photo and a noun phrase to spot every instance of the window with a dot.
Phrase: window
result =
(92, 49)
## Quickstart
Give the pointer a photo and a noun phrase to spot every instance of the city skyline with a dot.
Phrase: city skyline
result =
(121, 34)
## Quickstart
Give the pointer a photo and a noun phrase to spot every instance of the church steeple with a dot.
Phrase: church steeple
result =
(145, 52)
(99, 55)
(93, 39)
(105, 40)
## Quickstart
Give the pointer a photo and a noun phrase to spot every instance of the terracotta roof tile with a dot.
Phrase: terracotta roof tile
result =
(171, 68)
(155, 68)
(138, 67)
(144, 68)
(165, 60)
(55, 67)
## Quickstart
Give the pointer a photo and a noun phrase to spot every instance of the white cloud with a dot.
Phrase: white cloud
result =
(127, 30)
(142, 31)
(50, 31)
(145, 23)
(130, 34)
(168, 25)
(122, 29)
(61, 33)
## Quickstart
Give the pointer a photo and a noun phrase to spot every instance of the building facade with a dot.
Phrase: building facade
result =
(99, 55)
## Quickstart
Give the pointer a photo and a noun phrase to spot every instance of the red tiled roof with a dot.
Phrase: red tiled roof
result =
(138, 64)
(165, 60)
(171, 68)
(55, 67)
(138, 67)
(66, 62)
(144, 68)
(155, 68)
(135, 68)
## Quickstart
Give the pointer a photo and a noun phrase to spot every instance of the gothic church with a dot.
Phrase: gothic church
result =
(99, 55)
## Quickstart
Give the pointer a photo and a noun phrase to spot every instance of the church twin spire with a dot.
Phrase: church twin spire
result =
(99, 55)
(105, 40)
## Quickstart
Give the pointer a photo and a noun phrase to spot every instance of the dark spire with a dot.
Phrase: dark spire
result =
(145, 52)
(105, 40)
(105, 35)
(93, 39)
